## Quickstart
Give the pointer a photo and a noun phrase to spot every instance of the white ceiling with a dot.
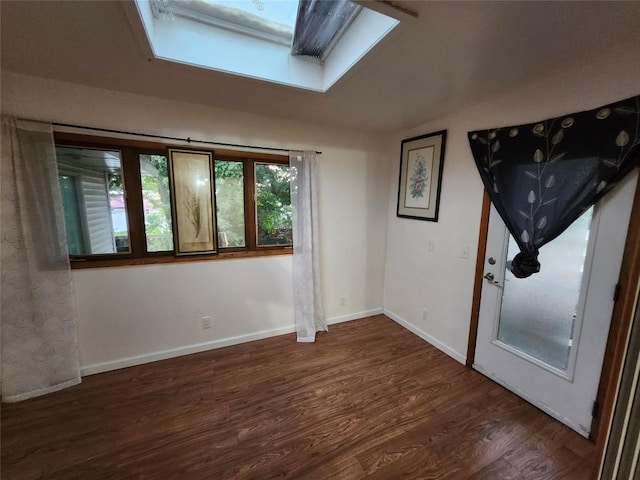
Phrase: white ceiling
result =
(455, 54)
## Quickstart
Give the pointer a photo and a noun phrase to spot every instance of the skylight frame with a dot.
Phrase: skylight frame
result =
(197, 45)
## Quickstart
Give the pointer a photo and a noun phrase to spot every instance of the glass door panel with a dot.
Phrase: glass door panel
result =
(538, 313)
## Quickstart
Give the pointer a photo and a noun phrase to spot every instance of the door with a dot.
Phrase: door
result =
(544, 337)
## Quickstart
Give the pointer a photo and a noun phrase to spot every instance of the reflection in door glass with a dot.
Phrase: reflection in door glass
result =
(538, 312)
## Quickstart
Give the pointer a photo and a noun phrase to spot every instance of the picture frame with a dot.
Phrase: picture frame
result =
(193, 203)
(421, 162)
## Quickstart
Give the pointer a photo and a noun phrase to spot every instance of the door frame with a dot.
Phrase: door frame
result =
(622, 317)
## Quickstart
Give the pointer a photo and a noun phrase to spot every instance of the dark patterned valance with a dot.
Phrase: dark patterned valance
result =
(542, 176)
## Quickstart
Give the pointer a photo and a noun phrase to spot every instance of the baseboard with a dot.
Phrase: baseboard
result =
(186, 350)
(202, 347)
(426, 337)
(354, 316)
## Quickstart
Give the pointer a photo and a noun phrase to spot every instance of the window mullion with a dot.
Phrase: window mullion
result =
(250, 219)
(135, 208)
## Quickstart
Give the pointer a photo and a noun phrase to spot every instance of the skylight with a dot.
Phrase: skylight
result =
(279, 11)
(307, 43)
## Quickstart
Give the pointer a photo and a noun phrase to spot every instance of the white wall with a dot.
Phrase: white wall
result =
(441, 281)
(154, 311)
(129, 315)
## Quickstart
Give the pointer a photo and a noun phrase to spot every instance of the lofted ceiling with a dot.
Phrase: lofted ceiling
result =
(454, 55)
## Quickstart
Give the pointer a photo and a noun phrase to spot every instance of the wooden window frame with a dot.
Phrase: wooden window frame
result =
(130, 151)
(250, 206)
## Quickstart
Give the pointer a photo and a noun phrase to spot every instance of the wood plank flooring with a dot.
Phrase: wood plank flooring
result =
(367, 400)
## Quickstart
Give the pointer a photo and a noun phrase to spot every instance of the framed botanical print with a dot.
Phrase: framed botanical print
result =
(193, 201)
(421, 161)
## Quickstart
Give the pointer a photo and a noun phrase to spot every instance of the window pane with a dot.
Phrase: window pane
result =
(70, 189)
(282, 12)
(538, 312)
(273, 204)
(271, 20)
(154, 175)
(230, 203)
(93, 200)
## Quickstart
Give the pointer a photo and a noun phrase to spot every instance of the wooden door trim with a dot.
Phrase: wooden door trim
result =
(477, 282)
(621, 320)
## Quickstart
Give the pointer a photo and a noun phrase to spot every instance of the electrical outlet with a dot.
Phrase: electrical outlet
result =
(425, 315)
(343, 301)
(464, 252)
(430, 245)
(206, 322)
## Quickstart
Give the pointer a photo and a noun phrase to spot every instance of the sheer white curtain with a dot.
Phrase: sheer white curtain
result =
(38, 317)
(307, 292)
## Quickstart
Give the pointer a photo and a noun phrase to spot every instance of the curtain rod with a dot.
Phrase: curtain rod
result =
(164, 137)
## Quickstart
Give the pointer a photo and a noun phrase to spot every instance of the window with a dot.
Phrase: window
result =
(93, 200)
(269, 20)
(229, 176)
(273, 204)
(306, 27)
(117, 202)
(156, 202)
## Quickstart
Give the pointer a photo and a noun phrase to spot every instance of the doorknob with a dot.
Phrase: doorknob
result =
(491, 278)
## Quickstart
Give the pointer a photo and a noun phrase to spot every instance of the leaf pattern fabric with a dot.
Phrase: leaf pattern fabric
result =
(542, 176)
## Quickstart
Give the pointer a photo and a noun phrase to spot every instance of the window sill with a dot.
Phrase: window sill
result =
(160, 259)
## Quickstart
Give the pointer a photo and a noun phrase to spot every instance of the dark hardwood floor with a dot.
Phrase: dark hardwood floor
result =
(367, 400)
